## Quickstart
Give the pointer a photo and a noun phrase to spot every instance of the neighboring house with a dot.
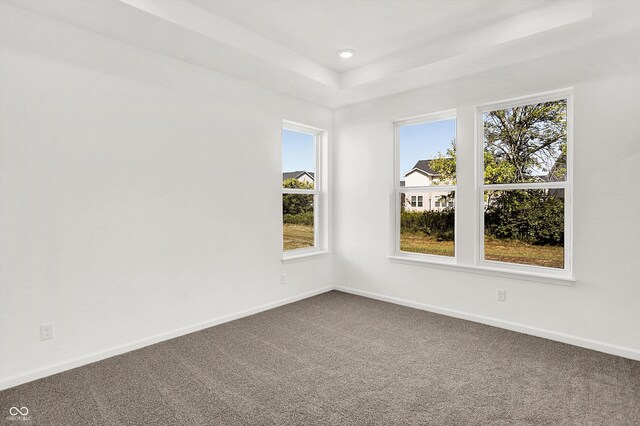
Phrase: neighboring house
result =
(423, 175)
(301, 175)
(557, 173)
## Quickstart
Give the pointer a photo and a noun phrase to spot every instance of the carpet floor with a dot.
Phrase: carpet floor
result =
(339, 359)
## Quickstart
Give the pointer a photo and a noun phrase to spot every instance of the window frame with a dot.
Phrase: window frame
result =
(397, 191)
(319, 220)
(567, 185)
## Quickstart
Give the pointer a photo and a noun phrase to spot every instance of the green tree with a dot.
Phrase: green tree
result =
(495, 171)
(294, 204)
(534, 215)
(521, 144)
(559, 169)
(525, 142)
(445, 164)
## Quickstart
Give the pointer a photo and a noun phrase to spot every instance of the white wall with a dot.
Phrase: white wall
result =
(602, 309)
(118, 168)
(139, 195)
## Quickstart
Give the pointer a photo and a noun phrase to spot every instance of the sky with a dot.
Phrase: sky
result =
(417, 142)
(424, 141)
(298, 151)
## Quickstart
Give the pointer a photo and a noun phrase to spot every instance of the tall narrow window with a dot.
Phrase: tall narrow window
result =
(525, 183)
(425, 176)
(300, 188)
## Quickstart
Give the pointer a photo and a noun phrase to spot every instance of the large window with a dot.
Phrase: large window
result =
(525, 183)
(301, 185)
(425, 186)
(516, 214)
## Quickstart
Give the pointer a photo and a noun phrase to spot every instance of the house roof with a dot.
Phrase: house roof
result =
(425, 167)
(296, 175)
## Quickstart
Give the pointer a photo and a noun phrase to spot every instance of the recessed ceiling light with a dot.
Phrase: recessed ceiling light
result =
(346, 53)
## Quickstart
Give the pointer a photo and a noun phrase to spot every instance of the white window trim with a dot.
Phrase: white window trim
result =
(565, 274)
(535, 274)
(397, 190)
(318, 191)
(419, 260)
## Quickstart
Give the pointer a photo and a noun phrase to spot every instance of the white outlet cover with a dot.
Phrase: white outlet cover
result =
(46, 331)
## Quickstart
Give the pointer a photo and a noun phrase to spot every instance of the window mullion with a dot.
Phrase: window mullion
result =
(421, 229)
(421, 189)
(515, 209)
(304, 229)
(299, 191)
(525, 185)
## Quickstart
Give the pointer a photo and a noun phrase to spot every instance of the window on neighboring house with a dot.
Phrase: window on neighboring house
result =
(525, 182)
(425, 167)
(301, 185)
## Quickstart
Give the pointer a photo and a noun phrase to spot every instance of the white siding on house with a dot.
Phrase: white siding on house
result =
(429, 200)
(305, 178)
(418, 178)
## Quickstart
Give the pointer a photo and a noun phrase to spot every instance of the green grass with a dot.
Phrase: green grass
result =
(417, 243)
(515, 251)
(297, 236)
(511, 251)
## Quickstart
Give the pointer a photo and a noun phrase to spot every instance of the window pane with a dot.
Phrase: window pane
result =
(525, 227)
(526, 143)
(427, 230)
(298, 159)
(297, 221)
(427, 153)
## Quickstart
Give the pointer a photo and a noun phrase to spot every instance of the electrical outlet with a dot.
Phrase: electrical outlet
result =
(501, 296)
(46, 331)
(283, 279)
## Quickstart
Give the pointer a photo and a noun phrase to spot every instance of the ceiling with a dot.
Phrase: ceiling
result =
(290, 45)
(375, 29)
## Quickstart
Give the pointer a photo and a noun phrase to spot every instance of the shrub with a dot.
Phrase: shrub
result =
(305, 218)
(535, 216)
(438, 224)
(294, 204)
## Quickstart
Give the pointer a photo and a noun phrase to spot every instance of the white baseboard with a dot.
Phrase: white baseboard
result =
(39, 373)
(19, 379)
(520, 328)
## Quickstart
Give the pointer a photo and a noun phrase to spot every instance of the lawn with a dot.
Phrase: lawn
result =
(419, 243)
(518, 252)
(300, 236)
(501, 250)
(297, 236)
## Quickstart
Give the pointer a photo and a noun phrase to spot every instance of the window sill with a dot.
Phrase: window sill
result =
(294, 257)
(484, 270)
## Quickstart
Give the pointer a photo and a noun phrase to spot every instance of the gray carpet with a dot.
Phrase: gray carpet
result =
(343, 360)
